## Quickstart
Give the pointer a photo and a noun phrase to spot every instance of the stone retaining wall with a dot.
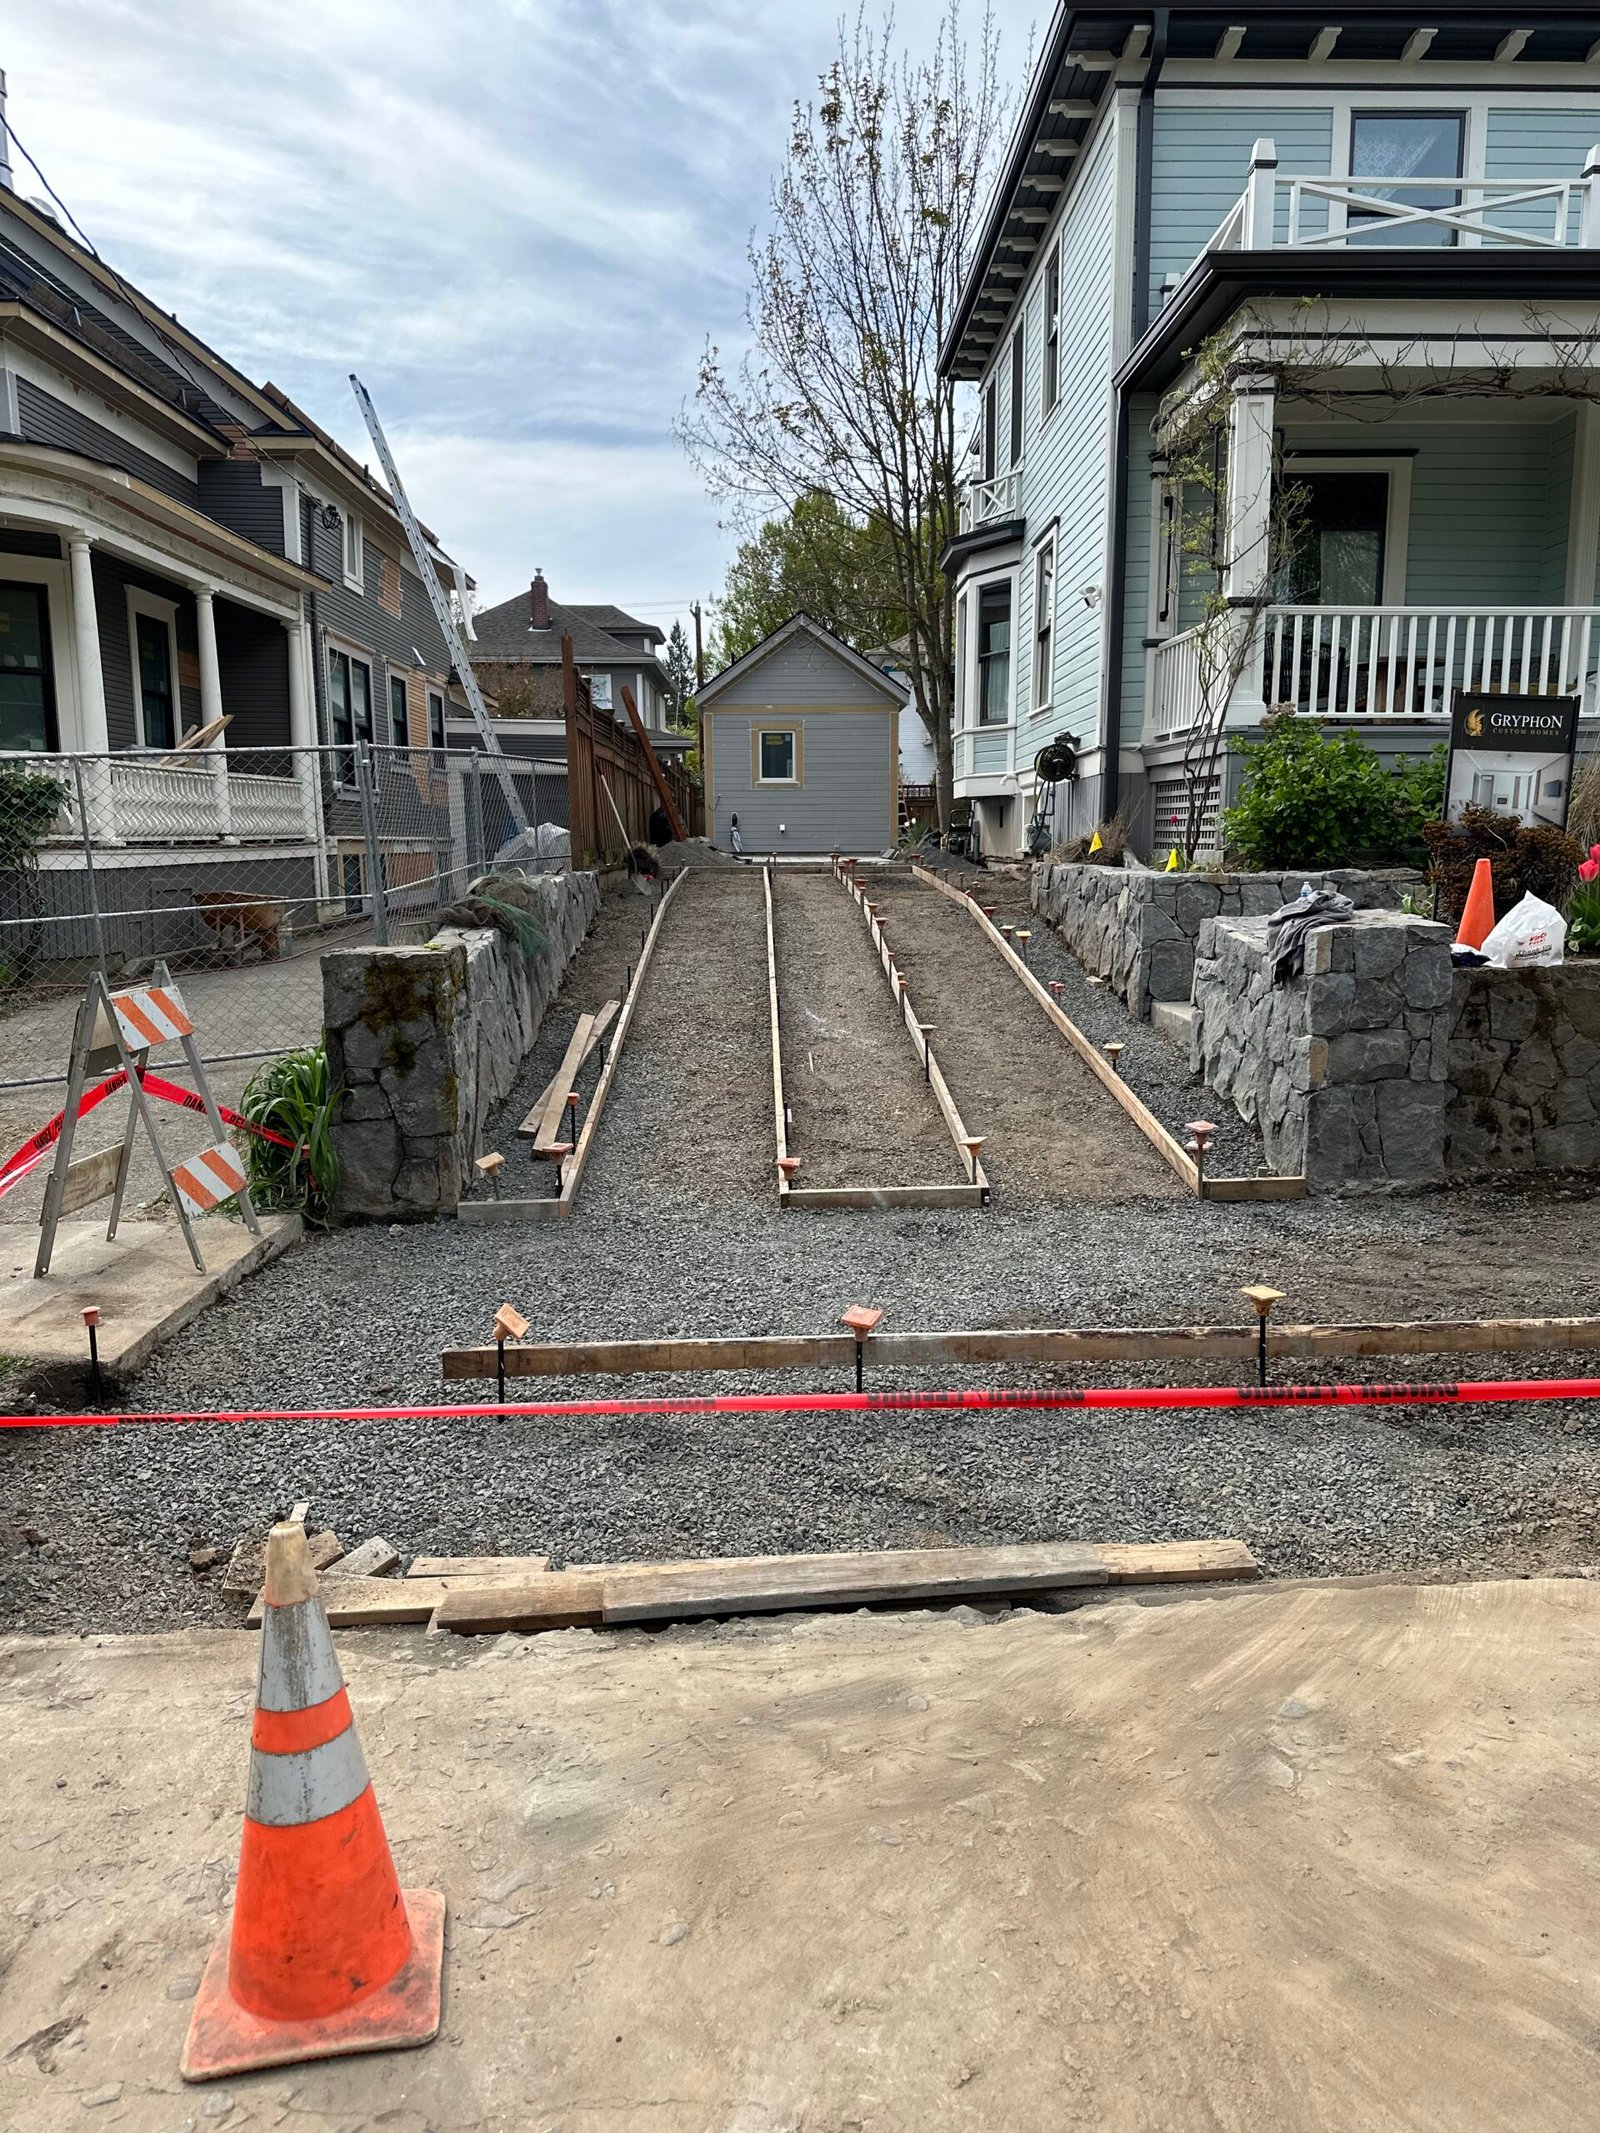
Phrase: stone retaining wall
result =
(1141, 931)
(424, 1041)
(1382, 1067)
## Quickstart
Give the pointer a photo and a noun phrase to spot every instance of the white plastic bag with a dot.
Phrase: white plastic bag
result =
(1530, 933)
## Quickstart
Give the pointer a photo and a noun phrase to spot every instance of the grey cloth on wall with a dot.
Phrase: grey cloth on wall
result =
(1289, 925)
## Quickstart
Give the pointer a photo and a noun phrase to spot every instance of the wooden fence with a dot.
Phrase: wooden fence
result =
(608, 776)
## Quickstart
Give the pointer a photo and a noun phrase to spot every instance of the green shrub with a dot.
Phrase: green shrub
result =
(291, 1096)
(1315, 799)
(1583, 920)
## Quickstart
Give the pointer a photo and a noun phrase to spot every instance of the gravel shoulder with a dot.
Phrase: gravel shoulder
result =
(862, 1113)
(677, 1232)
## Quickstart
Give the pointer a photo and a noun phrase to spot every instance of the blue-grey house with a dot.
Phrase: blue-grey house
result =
(1353, 255)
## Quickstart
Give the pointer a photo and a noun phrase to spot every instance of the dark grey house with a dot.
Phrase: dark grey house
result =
(186, 553)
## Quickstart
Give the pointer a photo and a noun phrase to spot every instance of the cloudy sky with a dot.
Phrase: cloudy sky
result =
(518, 220)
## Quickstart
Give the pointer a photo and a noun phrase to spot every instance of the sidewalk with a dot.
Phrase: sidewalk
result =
(1272, 1861)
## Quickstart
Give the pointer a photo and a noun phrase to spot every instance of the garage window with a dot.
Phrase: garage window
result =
(777, 757)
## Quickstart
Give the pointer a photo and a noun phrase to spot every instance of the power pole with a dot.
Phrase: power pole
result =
(699, 649)
(699, 715)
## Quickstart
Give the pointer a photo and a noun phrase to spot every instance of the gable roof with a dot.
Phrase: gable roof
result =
(505, 634)
(802, 625)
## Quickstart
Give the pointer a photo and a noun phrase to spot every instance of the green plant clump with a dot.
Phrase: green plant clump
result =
(1312, 799)
(1583, 920)
(291, 1096)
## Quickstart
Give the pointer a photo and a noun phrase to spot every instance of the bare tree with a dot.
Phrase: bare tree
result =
(853, 289)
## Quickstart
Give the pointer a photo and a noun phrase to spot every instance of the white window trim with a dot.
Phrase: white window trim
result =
(1397, 532)
(1048, 407)
(792, 732)
(607, 701)
(1041, 704)
(976, 587)
(391, 675)
(350, 526)
(154, 609)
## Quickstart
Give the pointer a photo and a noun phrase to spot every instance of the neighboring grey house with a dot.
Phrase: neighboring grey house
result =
(802, 745)
(1362, 247)
(516, 655)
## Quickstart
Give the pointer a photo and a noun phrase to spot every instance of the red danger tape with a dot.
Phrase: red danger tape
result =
(34, 1150)
(1485, 1391)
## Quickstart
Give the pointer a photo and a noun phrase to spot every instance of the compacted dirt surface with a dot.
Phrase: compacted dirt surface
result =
(862, 1112)
(1051, 1133)
(1272, 1861)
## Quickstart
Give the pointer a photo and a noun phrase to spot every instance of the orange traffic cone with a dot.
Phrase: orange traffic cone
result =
(1477, 920)
(327, 1954)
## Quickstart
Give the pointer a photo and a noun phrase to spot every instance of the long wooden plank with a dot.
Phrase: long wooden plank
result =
(1177, 1562)
(663, 790)
(1065, 1345)
(765, 1585)
(920, 1043)
(355, 1603)
(888, 1195)
(780, 1109)
(1267, 1188)
(573, 1168)
(603, 1020)
(486, 1567)
(553, 1117)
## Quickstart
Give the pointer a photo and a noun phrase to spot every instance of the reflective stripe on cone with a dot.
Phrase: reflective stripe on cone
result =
(326, 1954)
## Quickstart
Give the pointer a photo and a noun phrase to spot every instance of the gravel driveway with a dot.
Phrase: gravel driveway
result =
(676, 1233)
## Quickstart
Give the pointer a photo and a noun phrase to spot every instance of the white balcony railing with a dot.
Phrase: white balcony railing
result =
(987, 503)
(1379, 663)
(134, 799)
(1309, 213)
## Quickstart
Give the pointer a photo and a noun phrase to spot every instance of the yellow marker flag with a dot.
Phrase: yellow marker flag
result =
(1094, 843)
(1172, 861)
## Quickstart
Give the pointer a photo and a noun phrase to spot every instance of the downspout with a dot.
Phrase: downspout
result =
(1116, 572)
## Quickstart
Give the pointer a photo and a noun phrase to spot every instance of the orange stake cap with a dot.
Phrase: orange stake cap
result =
(326, 1954)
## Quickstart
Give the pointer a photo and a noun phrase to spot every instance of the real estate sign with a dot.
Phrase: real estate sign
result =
(1513, 754)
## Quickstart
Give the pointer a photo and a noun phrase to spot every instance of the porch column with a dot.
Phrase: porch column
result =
(305, 764)
(1583, 520)
(211, 707)
(1249, 498)
(93, 734)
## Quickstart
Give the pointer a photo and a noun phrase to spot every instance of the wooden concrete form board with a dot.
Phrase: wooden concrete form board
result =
(619, 1594)
(865, 1197)
(1165, 1143)
(1111, 1344)
(559, 1208)
(978, 1189)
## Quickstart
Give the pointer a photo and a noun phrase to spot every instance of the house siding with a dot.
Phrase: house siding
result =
(846, 799)
(1201, 163)
(1138, 562)
(799, 671)
(47, 420)
(232, 492)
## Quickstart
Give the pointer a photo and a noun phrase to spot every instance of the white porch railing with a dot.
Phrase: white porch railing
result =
(137, 799)
(1381, 663)
(986, 503)
(1309, 213)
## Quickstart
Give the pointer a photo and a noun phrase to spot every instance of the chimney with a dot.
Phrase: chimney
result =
(539, 602)
(6, 179)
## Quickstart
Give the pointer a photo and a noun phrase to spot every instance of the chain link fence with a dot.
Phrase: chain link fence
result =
(237, 868)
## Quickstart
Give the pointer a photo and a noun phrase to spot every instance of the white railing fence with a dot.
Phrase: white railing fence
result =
(1383, 662)
(1304, 211)
(986, 503)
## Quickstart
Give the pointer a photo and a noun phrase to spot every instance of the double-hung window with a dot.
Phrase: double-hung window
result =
(399, 714)
(994, 654)
(155, 669)
(1018, 386)
(1413, 145)
(991, 413)
(349, 707)
(1044, 624)
(352, 553)
(436, 721)
(1051, 389)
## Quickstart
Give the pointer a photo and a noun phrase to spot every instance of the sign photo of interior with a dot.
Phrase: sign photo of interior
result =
(1512, 753)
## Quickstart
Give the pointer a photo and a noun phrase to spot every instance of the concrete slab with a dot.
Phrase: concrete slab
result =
(1173, 1019)
(144, 1283)
(1293, 1858)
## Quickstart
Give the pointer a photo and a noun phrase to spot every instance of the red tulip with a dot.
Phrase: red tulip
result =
(1594, 852)
(1589, 869)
